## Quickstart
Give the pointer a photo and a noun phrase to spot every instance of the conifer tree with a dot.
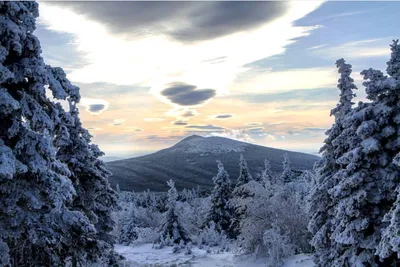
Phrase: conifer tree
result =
(266, 177)
(334, 147)
(43, 221)
(171, 226)
(220, 212)
(241, 194)
(287, 174)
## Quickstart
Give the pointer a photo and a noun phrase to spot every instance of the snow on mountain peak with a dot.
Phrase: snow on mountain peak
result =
(209, 145)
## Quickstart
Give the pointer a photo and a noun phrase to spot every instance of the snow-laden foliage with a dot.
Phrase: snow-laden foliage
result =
(212, 237)
(240, 195)
(221, 212)
(172, 226)
(354, 204)
(335, 145)
(51, 211)
(287, 174)
(277, 246)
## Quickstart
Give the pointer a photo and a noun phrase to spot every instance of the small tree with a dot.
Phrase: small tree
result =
(172, 226)
(242, 193)
(220, 212)
(287, 173)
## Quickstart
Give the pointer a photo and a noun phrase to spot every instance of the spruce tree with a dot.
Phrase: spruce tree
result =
(171, 226)
(321, 206)
(94, 198)
(287, 175)
(240, 195)
(220, 212)
(266, 177)
(44, 220)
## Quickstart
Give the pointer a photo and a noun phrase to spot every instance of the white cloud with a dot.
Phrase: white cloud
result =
(118, 122)
(358, 49)
(235, 134)
(156, 60)
(258, 81)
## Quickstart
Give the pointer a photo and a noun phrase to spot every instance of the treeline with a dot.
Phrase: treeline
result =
(264, 215)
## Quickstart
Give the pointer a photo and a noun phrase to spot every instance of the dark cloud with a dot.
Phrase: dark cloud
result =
(188, 114)
(180, 123)
(184, 21)
(96, 108)
(187, 95)
(205, 127)
(223, 18)
(223, 116)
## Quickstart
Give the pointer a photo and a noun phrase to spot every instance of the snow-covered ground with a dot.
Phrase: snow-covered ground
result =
(145, 255)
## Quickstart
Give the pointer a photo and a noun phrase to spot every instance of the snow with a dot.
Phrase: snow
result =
(209, 145)
(146, 255)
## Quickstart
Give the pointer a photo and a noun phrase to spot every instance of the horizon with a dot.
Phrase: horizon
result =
(162, 81)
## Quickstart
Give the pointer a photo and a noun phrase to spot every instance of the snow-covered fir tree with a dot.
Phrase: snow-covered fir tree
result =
(321, 203)
(362, 189)
(43, 222)
(220, 212)
(94, 198)
(172, 227)
(241, 194)
(266, 178)
(389, 246)
(287, 173)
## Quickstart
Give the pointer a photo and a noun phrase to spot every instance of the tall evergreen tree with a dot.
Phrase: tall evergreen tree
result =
(220, 212)
(94, 198)
(42, 219)
(171, 226)
(321, 206)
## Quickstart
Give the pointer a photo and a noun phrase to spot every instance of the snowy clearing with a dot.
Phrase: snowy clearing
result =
(145, 255)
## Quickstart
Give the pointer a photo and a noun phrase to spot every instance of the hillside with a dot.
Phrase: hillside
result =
(192, 162)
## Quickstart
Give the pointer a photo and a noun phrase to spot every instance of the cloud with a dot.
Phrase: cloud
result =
(303, 95)
(94, 106)
(223, 18)
(153, 119)
(118, 122)
(235, 134)
(255, 129)
(358, 49)
(187, 95)
(316, 47)
(253, 123)
(189, 113)
(183, 21)
(158, 138)
(179, 123)
(133, 129)
(136, 55)
(204, 127)
(259, 81)
(222, 116)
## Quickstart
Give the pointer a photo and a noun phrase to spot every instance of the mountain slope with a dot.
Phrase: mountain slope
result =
(192, 162)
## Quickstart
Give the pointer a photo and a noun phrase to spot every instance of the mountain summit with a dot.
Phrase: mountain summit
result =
(192, 162)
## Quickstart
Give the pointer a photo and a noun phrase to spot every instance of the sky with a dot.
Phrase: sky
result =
(152, 73)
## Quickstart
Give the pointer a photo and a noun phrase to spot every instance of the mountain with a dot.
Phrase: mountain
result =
(192, 162)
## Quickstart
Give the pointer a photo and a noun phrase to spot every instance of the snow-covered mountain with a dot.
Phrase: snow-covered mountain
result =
(192, 162)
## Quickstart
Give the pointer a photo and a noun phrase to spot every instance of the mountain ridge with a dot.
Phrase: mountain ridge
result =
(192, 161)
